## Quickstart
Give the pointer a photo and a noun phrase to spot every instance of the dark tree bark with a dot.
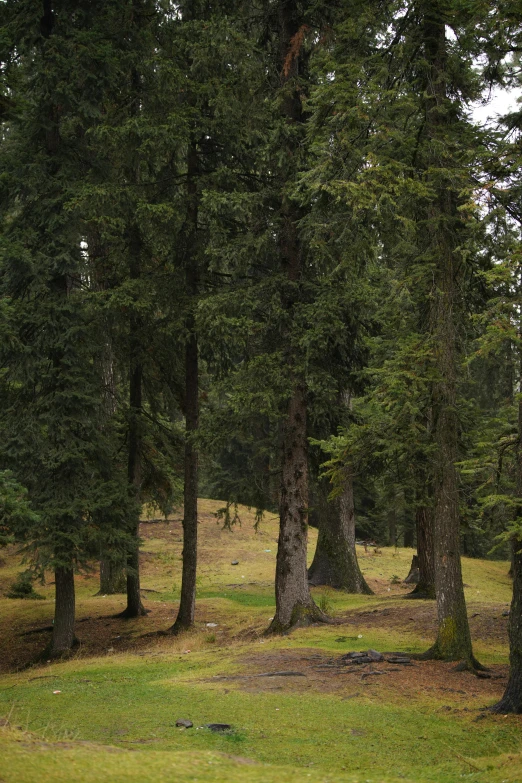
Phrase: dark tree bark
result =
(511, 701)
(453, 640)
(185, 618)
(294, 603)
(409, 537)
(112, 577)
(392, 527)
(134, 606)
(335, 560)
(425, 587)
(413, 574)
(64, 613)
(112, 573)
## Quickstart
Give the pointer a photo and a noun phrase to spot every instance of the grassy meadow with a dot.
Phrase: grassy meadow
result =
(109, 713)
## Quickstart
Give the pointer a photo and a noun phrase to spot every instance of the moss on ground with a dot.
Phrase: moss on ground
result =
(119, 698)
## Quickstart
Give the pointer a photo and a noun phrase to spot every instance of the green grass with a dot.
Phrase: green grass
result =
(114, 718)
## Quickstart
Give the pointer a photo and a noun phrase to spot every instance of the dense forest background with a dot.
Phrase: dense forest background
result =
(259, 252)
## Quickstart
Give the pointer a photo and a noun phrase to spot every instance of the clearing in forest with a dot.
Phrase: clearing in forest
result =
(298, 710)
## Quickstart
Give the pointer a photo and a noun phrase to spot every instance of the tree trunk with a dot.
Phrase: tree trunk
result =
(112, 577)
(185, 618)
(134, 606)
(64, 613)
(425, 587)
(294, 604)
(453, 638)
(335, 560)
(511, 701)
(392, 527)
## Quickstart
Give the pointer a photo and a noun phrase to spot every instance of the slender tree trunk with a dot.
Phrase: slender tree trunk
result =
(425, 587)
(392, 526)
(134, 606)
(112, 571)
(64, 613)
(185, 618)
(453, 638)
(294, 603)
(335, 560)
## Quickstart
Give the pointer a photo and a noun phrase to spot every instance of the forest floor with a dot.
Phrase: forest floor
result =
(296, 711)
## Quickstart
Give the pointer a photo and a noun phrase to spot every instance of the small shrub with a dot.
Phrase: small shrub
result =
(22, 587)
(396, 580)
(210, 638)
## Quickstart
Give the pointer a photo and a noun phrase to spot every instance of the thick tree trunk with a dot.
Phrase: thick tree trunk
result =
(425, 587)
(64, 613)
(453, 640)
(112, 577)
(335, 560)
(294, 604)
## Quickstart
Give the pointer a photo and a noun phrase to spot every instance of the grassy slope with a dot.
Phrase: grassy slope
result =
(114, 719)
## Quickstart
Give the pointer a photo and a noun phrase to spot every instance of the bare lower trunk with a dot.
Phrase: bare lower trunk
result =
(425, 587)
(134, 606)
(185, 618)
(335, 561)
(511, 701)
(64, 613)
(392, 527)
(112, 577)
(453, 640)
(294, 604)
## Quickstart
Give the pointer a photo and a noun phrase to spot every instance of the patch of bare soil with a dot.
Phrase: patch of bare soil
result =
(433, 681)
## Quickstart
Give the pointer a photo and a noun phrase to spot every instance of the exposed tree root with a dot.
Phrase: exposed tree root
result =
(302, 617)
(507, 704)
(463, 663)
(128, 615)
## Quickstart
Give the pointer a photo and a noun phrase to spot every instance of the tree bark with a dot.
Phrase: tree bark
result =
(112, 577)
(335, 560)
(453, 640)
(425, 587)
(134, 606)
(392, 527)
(511, 701)
(294, 603)
(186, 611)
(64, 613)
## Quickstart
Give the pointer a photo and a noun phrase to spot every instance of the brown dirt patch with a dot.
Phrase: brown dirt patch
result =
(432, 681)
